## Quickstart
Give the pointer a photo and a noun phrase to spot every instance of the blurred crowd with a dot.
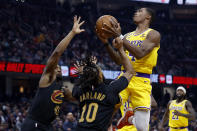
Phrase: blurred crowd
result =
(30, 36)
(13, 114)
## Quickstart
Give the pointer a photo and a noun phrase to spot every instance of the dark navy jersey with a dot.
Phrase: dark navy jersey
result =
(97, 105)
(46, 104)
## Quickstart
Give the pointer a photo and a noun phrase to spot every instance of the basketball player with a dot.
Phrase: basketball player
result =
(141, 47)
(178, 112)
(49, 96)
(97, 99)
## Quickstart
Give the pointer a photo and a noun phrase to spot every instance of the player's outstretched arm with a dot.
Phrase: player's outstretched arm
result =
(152, 40)
(118, 44)
(55, 56)
(114, 55)
(120, 84)
(165, 118)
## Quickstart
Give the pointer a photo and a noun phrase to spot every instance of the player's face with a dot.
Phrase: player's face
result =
(180, 93)
(140, 15)
(58, 71)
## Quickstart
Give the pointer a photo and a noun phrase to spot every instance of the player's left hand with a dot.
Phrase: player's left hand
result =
(115, 29)
(177, 113)
(117, 43)
(77, 24)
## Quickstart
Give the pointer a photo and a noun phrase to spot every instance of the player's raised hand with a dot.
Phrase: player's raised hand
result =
(93, 59)
(79, 67)
(117, 43)
(115, 29)
(77, 24)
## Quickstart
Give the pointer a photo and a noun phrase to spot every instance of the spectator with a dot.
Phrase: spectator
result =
(70, 122)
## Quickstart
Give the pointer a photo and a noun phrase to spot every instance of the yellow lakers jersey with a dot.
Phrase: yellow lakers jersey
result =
(178, 121)
(145, 64)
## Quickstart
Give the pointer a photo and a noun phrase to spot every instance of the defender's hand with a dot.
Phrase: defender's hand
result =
(117, 43)
(94, 59)
(115, 29)
(77, 24)
(79, 67)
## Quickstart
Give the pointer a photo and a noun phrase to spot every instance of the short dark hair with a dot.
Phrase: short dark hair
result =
(151, 12)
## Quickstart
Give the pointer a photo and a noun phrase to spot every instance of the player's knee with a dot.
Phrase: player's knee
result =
(141, 120)
(141, 125)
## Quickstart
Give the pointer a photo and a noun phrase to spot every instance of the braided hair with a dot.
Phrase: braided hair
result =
(91, 74)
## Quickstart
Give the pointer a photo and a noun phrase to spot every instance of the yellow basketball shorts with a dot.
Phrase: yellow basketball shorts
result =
(128, 128)
(172, 129)
(137, 95)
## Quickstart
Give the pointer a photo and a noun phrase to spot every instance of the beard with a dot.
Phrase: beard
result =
(59, 77)
(181, 97)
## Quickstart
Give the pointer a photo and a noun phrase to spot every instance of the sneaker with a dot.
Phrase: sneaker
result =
(124, 120)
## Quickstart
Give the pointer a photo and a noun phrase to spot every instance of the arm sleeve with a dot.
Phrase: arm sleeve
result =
(117, 86)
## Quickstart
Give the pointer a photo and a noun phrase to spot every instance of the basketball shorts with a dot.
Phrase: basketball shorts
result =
(137, 94)
(128, 128)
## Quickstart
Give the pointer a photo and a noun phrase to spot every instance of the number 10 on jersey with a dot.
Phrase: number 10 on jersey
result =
(91, 110)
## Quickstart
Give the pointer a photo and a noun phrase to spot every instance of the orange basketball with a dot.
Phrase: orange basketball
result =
(100, 24)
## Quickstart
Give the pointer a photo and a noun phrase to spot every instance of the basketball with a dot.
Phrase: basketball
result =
(100, 24)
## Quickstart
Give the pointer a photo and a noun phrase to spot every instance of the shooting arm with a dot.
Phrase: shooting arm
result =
(152, 40)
